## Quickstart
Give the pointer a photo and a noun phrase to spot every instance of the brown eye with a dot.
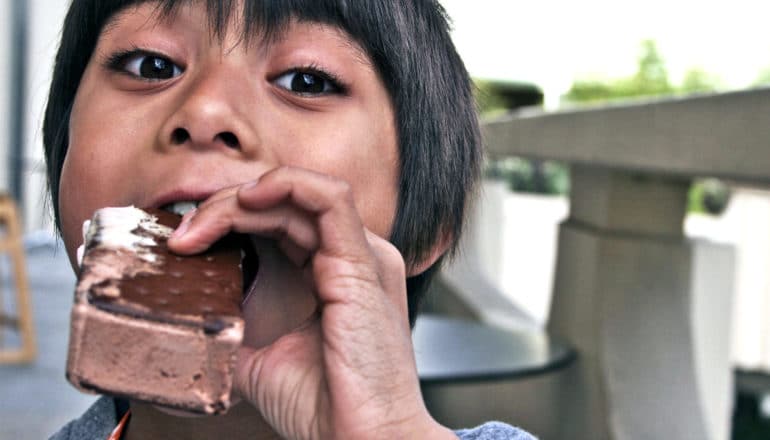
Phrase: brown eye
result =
(307, 83)
(151, 67)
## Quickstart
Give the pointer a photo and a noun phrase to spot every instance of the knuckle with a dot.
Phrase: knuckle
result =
(342, 190)
(275, 174)
(393, 260)
(387, 251)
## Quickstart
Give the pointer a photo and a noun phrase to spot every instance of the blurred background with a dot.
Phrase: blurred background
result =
(597, 63)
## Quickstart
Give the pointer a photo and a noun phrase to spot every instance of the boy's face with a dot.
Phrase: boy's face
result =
(166, 113)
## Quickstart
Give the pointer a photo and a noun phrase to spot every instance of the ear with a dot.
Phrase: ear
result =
(439, 248)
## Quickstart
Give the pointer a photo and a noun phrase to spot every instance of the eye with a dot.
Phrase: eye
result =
(308, 82)
(152, 67)
(144, 65)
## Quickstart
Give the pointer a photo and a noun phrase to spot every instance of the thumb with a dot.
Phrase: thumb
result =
(247, 370)
(266, 373)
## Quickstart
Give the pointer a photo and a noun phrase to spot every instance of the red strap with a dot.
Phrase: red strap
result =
(117, 433)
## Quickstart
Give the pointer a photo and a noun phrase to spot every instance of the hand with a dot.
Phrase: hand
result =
(349, 372)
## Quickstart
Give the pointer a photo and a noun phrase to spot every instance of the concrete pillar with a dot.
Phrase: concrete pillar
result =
(647, 310)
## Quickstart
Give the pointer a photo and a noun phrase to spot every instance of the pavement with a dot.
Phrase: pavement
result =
(35, 399)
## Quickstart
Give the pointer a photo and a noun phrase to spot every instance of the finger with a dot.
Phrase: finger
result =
(391, 269)
(187, 217)
(291, 227)
(219, 195)
(297, 254)
(330, 199)
(344, 266)
(247, 370)
(261, 373)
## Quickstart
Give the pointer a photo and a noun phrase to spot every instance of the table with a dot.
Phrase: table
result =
(455, 350)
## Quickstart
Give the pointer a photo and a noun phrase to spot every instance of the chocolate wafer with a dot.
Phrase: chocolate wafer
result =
(151, 325)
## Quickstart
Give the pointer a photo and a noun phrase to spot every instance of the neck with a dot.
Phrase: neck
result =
(241, 422)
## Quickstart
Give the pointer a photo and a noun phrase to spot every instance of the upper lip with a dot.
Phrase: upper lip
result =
(186, 184)
(181, 195)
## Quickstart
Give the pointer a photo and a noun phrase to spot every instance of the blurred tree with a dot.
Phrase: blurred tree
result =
(697, 80)
(650, 79)
(763, 79)
(496, 97)
(590, 90)
(533, 176)
(708, 196)
(488, 100)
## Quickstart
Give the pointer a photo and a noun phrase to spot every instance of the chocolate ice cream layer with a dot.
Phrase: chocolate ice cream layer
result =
(151, 325)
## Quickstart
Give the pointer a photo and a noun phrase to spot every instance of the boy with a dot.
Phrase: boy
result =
(345, 131)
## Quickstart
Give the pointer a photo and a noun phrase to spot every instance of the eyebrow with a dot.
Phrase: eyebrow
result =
(117, 17)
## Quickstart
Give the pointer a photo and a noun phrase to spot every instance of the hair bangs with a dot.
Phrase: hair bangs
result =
(266, 19)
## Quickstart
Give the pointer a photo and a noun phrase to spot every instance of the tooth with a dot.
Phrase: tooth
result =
(181, 208)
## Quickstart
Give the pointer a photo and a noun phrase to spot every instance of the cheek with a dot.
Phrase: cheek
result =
(377, 195)
(73, 199)
(96, 170)
(74, 205)
(379, 205)
(86, 174)
(373, 171)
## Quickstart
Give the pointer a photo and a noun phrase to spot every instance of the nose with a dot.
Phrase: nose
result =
(210, 113)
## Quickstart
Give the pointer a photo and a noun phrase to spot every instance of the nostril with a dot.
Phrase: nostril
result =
(179, 136)
(230, 139)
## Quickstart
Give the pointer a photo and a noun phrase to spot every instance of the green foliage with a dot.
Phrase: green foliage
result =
(592, 90)
(763, 79)
(488, 99)
(708, 196)
(697, 80)
(541, 177)
(496, 97)
(650, 79)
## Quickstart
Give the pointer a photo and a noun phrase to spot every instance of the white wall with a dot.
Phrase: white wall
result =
(5, 91)
(744, 225)
(45, 20)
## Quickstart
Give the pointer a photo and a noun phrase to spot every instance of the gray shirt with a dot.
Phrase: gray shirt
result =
(98, 422)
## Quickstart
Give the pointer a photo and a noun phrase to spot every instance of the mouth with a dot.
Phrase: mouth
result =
(180, 207)
(249, 258)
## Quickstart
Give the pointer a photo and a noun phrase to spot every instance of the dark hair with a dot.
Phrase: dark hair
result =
(408, 42)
